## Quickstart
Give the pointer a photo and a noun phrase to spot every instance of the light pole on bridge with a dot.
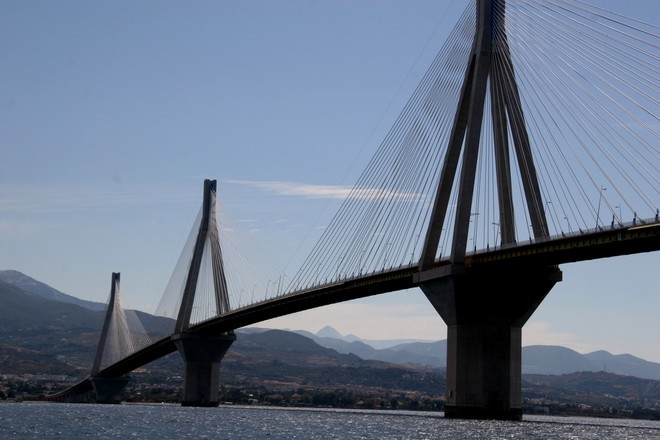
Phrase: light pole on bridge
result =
(600, 198)
(496, 231)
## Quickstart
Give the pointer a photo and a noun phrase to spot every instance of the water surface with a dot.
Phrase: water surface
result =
(47, 421)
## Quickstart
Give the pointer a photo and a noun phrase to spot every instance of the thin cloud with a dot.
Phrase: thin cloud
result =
(297, 189)
(336, 192)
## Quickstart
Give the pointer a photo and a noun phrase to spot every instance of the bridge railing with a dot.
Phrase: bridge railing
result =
(567, 235)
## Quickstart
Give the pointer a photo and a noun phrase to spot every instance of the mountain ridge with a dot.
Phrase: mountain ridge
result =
(536, 359)
(29, 284)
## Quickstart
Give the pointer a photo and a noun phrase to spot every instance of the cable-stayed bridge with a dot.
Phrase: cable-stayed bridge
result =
(531, 141)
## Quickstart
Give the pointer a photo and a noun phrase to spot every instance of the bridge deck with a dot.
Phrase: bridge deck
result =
(599, 243)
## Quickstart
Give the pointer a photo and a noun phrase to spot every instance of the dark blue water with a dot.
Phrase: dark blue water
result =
(70, 421)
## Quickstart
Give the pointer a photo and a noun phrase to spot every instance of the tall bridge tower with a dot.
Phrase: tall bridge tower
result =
(202, 353)
(108, 389)
(485, 309)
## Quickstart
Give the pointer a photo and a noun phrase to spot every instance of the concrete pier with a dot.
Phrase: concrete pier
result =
(485, 312)
(202, 356)
(109, 389)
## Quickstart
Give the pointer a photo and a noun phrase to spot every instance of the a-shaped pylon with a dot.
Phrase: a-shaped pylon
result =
(485, 309)
(108, 390)
(202, 353)
(207, 238)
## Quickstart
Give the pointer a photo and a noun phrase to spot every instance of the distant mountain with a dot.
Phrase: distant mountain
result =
(549, 359)
(31, 285)
(623, 364)
(286, 360)
(536, 359)
(358, 348)
(381, 344)
(329, 332)
(299, 350)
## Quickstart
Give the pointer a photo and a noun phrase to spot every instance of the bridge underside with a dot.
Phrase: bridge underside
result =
(484, 311)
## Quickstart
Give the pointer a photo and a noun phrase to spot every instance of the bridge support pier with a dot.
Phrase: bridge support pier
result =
(109, 389)
(202, 355)
(485, 312)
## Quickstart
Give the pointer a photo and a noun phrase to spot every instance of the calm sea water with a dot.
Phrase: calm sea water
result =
(70, 421)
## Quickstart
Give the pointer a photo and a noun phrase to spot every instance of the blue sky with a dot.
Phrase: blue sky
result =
(113, 113)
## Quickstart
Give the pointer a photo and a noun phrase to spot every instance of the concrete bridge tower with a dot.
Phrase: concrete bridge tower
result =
(485, 309)
(108, 389)
(202, 353)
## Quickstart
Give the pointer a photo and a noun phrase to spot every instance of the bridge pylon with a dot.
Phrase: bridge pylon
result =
(485, 309)
(107, 389)
(202, 353)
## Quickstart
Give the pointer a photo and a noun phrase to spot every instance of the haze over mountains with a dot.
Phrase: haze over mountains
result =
(38, 322)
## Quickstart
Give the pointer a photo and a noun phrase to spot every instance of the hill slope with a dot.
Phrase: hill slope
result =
(39, 335)
(23, 310)
(28, 284)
